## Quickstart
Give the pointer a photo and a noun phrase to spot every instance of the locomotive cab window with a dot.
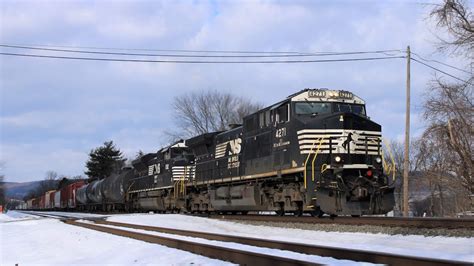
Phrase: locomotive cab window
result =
(312, 108)
(261, 119)
(267, 118)
(282, 114)
(350, 108)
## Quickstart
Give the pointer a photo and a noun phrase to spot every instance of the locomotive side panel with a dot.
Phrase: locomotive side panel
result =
(163, 186)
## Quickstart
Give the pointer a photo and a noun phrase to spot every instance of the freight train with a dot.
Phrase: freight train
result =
(316, 152)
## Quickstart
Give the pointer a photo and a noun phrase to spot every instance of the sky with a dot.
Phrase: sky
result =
(53, 112)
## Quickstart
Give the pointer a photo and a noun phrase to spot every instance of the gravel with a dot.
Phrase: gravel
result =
(367, 229)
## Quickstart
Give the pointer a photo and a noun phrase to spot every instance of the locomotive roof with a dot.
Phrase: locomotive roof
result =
(178, 144)
(322, 95)
(202, 139)
(326, 95)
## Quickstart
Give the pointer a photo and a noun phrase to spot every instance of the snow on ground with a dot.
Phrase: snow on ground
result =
(15, 216)
(27, 239)
(70, 214)
(44, 241)
(454, 248)
(260, 250)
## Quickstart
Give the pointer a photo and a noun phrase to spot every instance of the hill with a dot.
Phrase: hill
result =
(18, 190)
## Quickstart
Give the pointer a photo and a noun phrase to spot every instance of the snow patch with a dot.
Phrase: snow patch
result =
(450, 248)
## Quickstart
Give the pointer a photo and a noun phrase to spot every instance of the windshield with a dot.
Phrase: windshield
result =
(350, 108)
(309, 108)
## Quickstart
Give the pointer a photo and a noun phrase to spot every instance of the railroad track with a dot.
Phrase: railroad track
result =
(447, 223)
(47, 215)
(238, 256)
(334, 252)
(61, 217)
(246, 257)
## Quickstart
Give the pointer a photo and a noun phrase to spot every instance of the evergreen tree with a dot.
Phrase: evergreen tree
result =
(103, 161)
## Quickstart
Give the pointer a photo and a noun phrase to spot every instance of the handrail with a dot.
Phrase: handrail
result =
(312, 163)
(314, 159)
(180, 185)
(306, 161)
(324, 167)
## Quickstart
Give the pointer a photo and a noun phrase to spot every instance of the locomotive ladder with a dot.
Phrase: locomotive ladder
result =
(180, 185)
(314, 159)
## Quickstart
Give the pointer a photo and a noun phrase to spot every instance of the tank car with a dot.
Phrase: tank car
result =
(94, 192)
(81, 197)
(114, 190)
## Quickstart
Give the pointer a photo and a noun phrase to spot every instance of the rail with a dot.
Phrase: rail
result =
(334, 252)
(247, 257)
(413, 222)
(238, 256)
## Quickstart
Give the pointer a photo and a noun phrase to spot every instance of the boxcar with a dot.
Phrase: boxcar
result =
(49, 199)
(57, 200)
(68, 195)
(41, 202)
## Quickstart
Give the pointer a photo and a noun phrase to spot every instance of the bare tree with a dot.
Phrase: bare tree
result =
(78, 177)
(394, 153)
(139, 154)
(448, 192)
(447, 143)
(450, 112)
(49, 182)
(455, 17)
(207, 111)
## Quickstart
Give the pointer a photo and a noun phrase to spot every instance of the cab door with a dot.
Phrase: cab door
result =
(280, 136)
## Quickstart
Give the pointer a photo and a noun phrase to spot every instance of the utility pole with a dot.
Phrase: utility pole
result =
(407, 139)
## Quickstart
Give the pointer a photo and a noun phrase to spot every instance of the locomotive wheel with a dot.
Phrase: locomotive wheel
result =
(299, 209)
(298, 213)
(280, 211)
(317, 212)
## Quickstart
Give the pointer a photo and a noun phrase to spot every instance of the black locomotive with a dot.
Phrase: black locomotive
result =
(317, 151)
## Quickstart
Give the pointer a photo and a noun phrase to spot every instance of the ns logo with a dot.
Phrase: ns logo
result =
(350, 141)
(154, 169)
(229, 148)
(235, 146)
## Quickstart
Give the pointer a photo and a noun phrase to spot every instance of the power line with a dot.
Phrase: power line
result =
(441, 71)
(201, 61)
(198, 56)
(439, 62)
(161, 50)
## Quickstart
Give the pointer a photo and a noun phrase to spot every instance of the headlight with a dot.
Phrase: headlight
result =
(337, 159)
(378, 160)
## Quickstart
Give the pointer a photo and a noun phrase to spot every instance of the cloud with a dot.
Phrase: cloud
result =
(53, 112)
(31, 161)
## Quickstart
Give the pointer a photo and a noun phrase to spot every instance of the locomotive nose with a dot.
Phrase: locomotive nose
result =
(343, 120)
